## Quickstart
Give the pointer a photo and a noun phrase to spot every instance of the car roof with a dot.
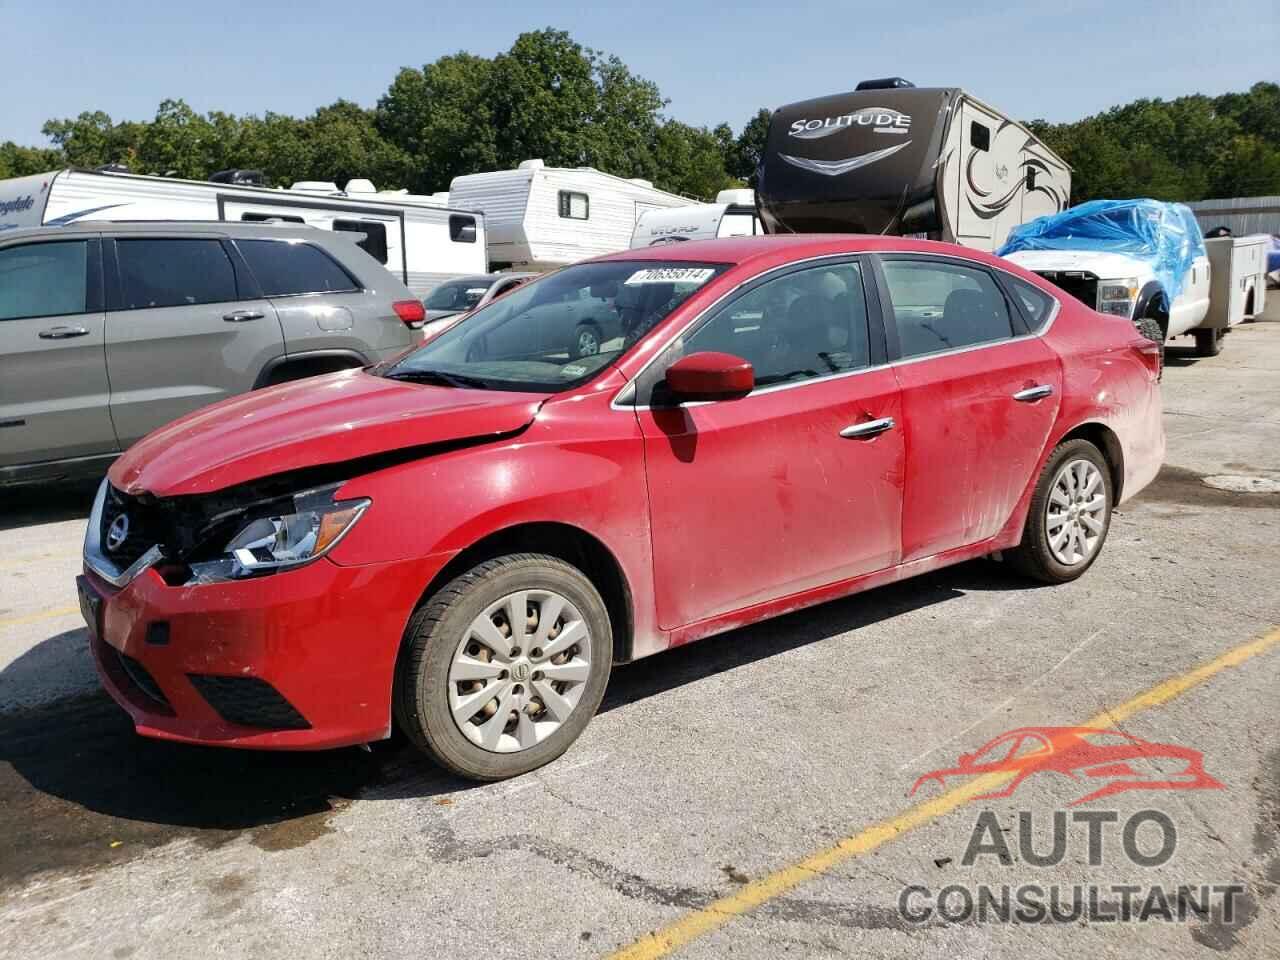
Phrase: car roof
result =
(223, 228)
(739, 250)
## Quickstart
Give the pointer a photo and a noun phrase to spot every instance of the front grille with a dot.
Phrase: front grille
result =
(143, 680)
(248, 702)
(1082, 286)
(144, 528)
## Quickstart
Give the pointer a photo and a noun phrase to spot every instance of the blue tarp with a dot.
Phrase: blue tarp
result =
(1164, 235)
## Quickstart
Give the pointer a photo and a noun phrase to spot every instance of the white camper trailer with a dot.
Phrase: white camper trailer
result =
(732, 215)
(417, 238)
(891, 158)
(541, 218)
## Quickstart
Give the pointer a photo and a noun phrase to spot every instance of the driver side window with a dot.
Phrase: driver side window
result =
(805, 324)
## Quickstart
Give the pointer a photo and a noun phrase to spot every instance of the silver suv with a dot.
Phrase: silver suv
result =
(109, 330)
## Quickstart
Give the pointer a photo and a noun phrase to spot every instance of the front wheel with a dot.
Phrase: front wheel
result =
(504, 666)
(1208, 342)
(1069, 517)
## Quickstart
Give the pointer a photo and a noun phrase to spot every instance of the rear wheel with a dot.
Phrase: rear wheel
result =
(504, 666)
(1069, 517)
(586, 340)
(1208, 343)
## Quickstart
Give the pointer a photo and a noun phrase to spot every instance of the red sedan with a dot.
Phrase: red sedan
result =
(464, 541)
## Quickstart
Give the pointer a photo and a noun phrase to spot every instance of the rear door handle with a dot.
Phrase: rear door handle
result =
(871, 428)
(62, 333)
(1034, 393)
(242, 316)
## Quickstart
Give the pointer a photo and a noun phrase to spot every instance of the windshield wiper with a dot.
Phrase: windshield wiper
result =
(439, 376)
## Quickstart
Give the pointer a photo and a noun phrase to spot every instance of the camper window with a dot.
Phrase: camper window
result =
(268, 217)
(574, 206)
(174, 273)
(286, 269)
(462, 229)
(374, 242)
(979, 136)
(737, 225)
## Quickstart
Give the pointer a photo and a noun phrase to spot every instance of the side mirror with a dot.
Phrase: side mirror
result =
(710, 376)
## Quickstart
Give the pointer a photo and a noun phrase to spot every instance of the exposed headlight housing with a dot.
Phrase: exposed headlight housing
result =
(1117, 296)
(281, 541)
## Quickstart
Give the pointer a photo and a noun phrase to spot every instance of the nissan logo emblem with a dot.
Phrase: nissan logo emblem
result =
(117, 533)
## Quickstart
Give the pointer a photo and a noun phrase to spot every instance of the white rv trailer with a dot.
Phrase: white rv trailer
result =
(891, 158)
(417, 238)
(541, 218)
(732, 215)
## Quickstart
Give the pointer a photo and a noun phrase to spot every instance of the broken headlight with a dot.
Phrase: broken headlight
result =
(282, 539)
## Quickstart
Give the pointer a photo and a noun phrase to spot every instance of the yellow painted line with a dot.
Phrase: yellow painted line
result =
(42, 615)
(662, 942)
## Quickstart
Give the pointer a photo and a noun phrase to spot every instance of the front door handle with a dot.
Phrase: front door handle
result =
(1034, 393)
(62, 333)
(242, 316)
(872, 428)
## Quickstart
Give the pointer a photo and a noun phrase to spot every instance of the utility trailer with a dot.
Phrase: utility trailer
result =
(892, 158)
(417, 238)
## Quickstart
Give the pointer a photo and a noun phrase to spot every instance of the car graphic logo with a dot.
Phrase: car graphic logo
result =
(117, 533)
(520, 671)
(1082, 754)
(834, 168)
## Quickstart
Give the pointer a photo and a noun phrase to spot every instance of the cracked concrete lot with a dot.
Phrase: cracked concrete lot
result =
(697, 815)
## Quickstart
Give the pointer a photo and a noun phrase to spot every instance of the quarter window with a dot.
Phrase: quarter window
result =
(574, 206)
(374, 241)
(289, 268)
(939, 306)
(805, 324)
(1035, 303)
(43, 280)
(174, 273)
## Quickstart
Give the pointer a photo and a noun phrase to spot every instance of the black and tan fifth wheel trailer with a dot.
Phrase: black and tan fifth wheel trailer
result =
(892, 158)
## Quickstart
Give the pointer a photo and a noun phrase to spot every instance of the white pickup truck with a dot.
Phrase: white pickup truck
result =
(1140, 259)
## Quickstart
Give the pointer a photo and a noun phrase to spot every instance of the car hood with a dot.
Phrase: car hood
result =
(1105, 266)
(310, 423)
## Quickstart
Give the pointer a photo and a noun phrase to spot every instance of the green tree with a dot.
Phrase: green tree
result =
(16, 161)
(744, 159)
(690, 161)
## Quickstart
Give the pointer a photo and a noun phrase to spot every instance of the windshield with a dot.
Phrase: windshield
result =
(558, 331)
(458, 295)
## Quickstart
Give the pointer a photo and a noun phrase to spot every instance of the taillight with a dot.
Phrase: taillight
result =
(411, 313)
(1152, 354)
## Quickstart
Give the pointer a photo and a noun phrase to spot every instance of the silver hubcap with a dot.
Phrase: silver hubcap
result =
(587, 344)
(1077, 514)
(519, 671)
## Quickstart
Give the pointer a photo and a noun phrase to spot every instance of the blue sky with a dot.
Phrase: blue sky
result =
(715, 62)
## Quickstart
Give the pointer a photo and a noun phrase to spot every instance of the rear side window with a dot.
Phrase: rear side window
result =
(939, 306)
(1035, 303)
(374, 241)
(174, 273)
(288, 268)
(43, 280)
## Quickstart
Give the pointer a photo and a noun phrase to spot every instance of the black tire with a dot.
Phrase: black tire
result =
(1149, 327)
(586, 333)
(1033, 557)
(1208, 342)
(421, 696)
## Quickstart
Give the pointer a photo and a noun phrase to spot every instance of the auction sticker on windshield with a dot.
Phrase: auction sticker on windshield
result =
(670, 275)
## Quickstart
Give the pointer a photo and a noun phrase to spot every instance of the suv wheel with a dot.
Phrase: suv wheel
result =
(504, 666)
(1069, 517)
